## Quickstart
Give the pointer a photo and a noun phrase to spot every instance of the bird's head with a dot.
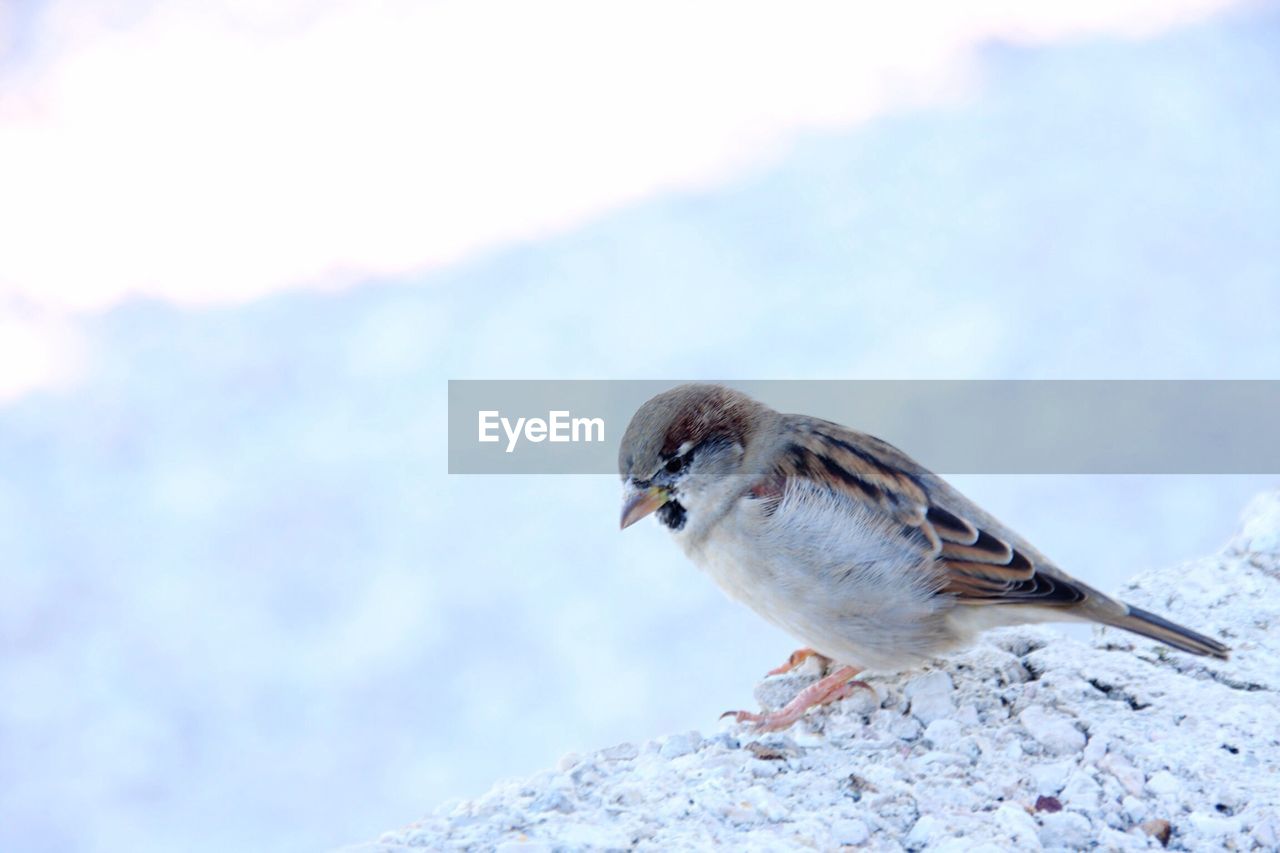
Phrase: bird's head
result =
(684, 451)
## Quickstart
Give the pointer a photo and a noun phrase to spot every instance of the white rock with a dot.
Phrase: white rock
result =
(905, 728)
(1050, 778)
(1266, 833)
(1213, 826)
(942, 734)
(1163, 783)
(1052, 731)
(1260, 530)
(1126, 774)
(849, 831)
(674, 746)
(1081, 792)
(1065, 829)
(1134, 809)
(1019, 827)
(861, 702)
(620, 752)
(930, 696)
(925, 831)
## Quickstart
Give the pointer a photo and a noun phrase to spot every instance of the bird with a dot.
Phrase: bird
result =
(844, 541)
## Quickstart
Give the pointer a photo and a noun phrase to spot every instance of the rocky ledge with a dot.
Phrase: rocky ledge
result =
(1029, 740)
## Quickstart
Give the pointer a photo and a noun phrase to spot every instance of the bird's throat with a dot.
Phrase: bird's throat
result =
(672, 514)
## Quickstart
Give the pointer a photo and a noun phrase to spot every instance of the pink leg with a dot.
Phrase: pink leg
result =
(798, 657)
(836, 686)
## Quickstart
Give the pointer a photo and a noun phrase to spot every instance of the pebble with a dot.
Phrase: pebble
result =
(1019, 826)
(1163, 783)
(621, 752)
(1214, 826)
(1129, 777)
(675, 746)
(930, 696)
(925, 831)
(942, 733)
(1081, 792)
(1055, 733)
(1134, 809)
(1050, 778)
(1266, 832)
(849, 831)
(905, 728)
(1065, 829)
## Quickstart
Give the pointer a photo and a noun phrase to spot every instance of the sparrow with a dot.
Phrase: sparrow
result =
(844, 541)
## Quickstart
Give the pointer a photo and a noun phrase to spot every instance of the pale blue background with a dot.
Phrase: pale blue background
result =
(244, 607)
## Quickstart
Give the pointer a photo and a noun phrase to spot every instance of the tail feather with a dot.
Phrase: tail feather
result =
(1148, 624)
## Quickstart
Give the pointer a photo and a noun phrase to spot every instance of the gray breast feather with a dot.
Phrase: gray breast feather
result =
(834, 572)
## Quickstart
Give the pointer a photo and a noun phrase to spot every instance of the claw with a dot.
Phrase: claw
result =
(835, 687)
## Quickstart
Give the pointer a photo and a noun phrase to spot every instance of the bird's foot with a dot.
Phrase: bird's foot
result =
(798, 657)
(836, 686)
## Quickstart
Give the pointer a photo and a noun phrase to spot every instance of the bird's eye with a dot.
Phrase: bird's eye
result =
(674, 464)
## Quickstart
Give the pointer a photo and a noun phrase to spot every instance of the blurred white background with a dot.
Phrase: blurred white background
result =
(242, 606)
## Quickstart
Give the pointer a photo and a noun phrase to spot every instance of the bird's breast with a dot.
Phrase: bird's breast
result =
(851, 586)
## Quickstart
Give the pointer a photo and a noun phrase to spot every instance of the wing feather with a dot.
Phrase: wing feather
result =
(980, 563)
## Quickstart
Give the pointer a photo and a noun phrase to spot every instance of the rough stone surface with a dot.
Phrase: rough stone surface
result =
(1113, 742)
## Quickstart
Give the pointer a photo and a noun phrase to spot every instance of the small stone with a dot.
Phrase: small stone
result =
(1215, 827)
(1051, 778)
(1095, 750)
(926, 830)
(769, 752)
(1065, 829)
(861, 702)
(620, 752)
(942, 733)
(568, 761)
(1055, 733)
(1163, 783)
(677, 745)
(775, 692)
(930, 696)
(1157, 828)
(1020, 826)
(1133, 808)
(552, 800)
(905, 728)
(1266, 833)
(970, 747)
(1048, 804)
(849, 832)
(1081, 791)
(762, 769)
(1130, 777)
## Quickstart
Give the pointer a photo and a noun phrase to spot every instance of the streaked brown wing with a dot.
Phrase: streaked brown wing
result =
(980, 567)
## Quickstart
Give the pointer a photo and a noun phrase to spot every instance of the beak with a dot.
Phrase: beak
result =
(640, 502)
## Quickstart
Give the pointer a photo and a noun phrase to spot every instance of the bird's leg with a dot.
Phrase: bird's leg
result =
(798, 657)
(836, 686)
